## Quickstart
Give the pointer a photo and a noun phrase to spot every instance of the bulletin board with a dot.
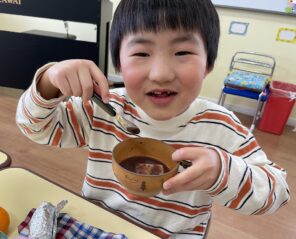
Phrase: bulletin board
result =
(287, 7)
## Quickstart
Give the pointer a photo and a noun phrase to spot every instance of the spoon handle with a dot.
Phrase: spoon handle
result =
(107, 107)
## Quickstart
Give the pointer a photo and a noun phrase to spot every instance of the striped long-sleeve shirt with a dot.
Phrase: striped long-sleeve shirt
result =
(248, 182)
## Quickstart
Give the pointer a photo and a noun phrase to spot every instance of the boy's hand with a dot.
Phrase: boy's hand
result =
(204, 172)
(73, 78)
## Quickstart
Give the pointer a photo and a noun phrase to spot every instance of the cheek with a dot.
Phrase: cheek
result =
(192, 78)
(133, 78)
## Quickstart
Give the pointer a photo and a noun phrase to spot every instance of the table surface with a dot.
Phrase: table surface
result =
(22, 190)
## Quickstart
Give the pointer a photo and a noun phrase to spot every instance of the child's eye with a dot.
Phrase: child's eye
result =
(141, 54)
(182, 53)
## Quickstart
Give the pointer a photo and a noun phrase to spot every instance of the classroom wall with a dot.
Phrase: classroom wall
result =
(260, 37)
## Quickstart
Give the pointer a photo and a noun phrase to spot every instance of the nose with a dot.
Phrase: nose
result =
(161, 70)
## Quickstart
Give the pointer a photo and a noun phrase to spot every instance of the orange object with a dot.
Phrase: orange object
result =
(4, 220)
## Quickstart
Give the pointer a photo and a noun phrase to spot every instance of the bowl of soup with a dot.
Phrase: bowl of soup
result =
(142, 165)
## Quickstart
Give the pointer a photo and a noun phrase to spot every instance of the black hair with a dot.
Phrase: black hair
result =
(132, 16)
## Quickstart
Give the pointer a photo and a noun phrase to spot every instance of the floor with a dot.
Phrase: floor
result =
(67, 167)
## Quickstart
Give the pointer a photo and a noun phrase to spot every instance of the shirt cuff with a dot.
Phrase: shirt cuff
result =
(222, 180)
(38, 99)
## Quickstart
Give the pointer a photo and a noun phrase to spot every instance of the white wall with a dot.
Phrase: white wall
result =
(16, 23)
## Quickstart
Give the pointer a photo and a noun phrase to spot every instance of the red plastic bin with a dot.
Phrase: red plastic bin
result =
(278, 107)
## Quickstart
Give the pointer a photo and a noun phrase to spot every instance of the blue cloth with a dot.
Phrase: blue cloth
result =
(246, 80)
(70, 228)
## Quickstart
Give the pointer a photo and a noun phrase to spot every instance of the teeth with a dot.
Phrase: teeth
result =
(158, 93)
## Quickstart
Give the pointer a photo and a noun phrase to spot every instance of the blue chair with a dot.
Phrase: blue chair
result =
(249, 76)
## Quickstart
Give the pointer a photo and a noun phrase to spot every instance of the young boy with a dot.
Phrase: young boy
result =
(164, 49)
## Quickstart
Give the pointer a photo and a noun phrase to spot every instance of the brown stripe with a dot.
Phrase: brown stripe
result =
(57, 137)
(247, 148)
(223, 118)
(242, 193)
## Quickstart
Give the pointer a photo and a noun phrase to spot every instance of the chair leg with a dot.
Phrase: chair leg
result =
(221, 98)
(258, 112)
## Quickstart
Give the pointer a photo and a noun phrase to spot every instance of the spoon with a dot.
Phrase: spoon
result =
(127, 125)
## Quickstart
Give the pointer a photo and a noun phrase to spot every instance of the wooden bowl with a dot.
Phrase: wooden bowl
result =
(142, 184)
(5, 160)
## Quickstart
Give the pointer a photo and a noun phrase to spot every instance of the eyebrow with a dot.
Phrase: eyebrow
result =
(184, 38)
(139, 40)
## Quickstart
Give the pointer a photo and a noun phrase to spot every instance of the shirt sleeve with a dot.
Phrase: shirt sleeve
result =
(57, 122)
(249, 182)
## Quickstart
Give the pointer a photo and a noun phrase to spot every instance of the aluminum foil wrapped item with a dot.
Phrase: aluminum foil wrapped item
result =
(43, 223)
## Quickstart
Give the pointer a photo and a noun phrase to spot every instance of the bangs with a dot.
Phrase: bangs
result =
(157, 15)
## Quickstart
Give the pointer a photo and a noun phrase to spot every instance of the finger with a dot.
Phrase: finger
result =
(188, 175)
(196, 184)
(187, 153)
(73, 80)
(101, 81)
(86, 83)
(64, 87)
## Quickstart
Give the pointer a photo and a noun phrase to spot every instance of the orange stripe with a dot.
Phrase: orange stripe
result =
(199, 229)
(89, 111)
(26, 129)
(116, 97)
(28, 116)
(100, 155)
(225, 179)
(247, 148)
(244, 190)
(110, 128)
(150, 201)
(131, 110)
(26, 113)
(127, 107)
(179, 146)
(224, 118)
(75, 123)
(57, 137)
(270, 198)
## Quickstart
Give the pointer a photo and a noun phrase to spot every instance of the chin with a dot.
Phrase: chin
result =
(161, 117)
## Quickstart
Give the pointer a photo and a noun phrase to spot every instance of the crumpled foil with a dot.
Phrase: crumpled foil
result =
(43, 223)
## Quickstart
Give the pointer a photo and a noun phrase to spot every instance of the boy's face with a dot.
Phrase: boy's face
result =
(163, 72)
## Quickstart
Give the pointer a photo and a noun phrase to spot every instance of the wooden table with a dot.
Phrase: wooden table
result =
(22, 190)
